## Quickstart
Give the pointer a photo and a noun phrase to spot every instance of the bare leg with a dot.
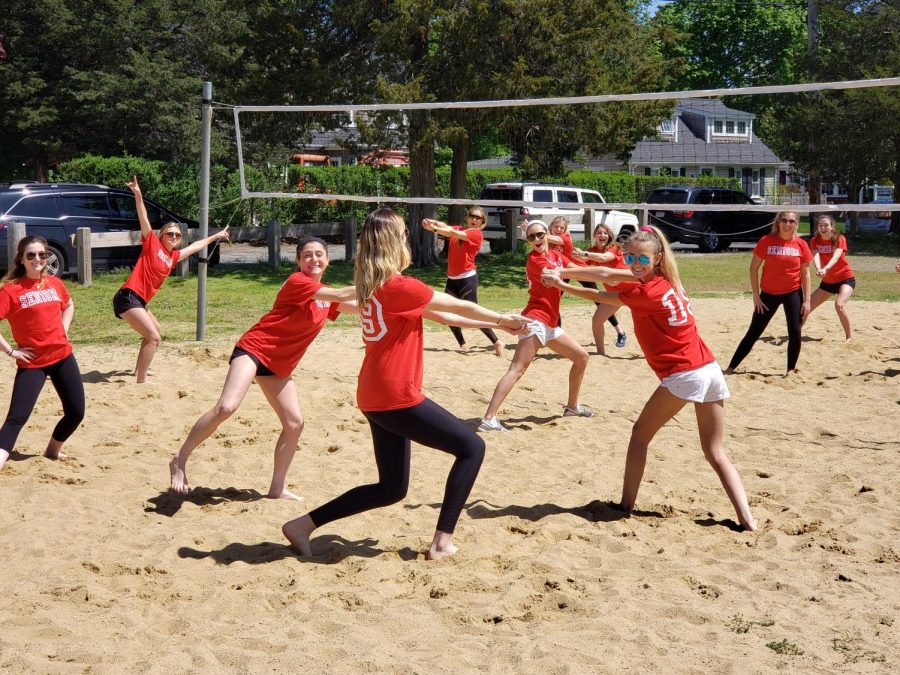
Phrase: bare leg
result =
(565, 345)
(146, 325)
(711, 423)
(601, 314)
(4, 455)
(52, 451)
(661, 407)
(840, 306)
(525, 351)
(240, 376)
(817, 298)
(282, 396)
(441, 546)
(298, 532)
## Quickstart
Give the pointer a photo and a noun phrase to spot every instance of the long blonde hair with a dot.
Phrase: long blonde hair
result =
(382, 253)
(17, 269)
(667, 266)
(777, 220)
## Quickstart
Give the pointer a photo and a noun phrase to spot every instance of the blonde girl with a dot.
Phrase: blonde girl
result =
(688, 373)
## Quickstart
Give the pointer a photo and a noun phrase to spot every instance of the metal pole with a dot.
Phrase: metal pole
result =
(205, 132)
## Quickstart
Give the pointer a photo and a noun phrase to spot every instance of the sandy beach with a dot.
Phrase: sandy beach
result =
(106, 571)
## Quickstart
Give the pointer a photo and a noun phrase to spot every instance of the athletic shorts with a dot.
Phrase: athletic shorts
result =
(834, 288)
(544, 332)
(126, 299)
(261, 370)
(701, 385)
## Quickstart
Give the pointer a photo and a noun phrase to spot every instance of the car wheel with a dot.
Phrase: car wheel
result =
(56, 261)
(624, 235)
(710, 241)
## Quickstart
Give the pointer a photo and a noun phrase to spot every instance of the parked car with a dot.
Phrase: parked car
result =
(711, 230)
(55, 211)
(622, 224)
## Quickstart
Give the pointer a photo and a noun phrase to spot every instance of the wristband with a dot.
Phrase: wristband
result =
(11, 350)
(500, 320)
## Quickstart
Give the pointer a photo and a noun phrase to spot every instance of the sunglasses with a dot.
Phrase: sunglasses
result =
(789, 221)
(535, 236)
(631, 257)
(173, 235)
(475, 216)
(31, 255)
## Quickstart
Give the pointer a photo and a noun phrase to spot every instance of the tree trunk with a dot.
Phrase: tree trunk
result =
(421, 184)
(895, 177)
(41, 169)
(814, 188)
(853, 198)
(458, 168)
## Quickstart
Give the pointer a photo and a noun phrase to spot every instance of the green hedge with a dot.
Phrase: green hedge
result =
(177, 187)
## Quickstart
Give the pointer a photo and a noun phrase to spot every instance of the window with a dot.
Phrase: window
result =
(567, 196)
(742, 128)
(718, 126)
(706, 171)
(84, 206)
(729, 127)
(590, 198)
(543, 196)
(665, 171)
(43, 206)
(723, 127)
(666, 127)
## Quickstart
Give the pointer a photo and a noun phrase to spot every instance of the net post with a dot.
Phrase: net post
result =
(205, 134)
(590, 222)
(509, 225)
(83, 255)
(273, 238)
(349, 238)
(14, 235)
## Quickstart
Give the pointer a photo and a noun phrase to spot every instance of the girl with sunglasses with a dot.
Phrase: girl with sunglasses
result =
(463, 244)
(389, 391)
(542, 313)
(665, 329)
(39, 310)
(268, 353)
(158, 256)
(784, 258)
(829, 249)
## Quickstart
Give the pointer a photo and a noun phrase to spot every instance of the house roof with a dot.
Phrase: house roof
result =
(710, 107)
(692, 149)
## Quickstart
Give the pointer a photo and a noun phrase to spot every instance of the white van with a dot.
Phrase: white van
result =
(621, 223)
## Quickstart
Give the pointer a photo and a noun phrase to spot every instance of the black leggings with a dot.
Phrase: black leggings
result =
(793, 303)
(392, 430)
(466, 289)
(66, 379)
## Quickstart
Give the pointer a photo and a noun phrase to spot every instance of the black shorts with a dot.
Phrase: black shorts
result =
(261, 370)
(834, 288)
(126, 299)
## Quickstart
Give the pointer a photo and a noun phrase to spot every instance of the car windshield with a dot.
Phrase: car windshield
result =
(668, 197)
(510, 193)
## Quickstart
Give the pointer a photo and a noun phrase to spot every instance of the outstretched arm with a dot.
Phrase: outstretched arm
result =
(442, 229)
(343, 295)
(591, 294)
(198, 245)
(452, 319)
(447, 303)
(604, 274)
(143, 219)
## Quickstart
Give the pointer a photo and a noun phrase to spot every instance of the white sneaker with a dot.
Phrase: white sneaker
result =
(578, 411)
(491, 424)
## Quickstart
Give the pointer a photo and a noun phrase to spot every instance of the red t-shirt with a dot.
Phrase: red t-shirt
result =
(280, 338)
(543, 301)
(151, 268)
(841, 271)
(391, 374)
(782, 263)
(665, 328)
(461, 252)
(617, 263)
(567, 248)
(35, 316)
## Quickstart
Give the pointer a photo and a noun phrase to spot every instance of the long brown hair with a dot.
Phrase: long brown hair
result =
(17, 271)
(610, 239)
(382, 253)
(835, 235)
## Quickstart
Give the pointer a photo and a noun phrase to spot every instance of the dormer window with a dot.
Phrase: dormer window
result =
(666, 127)
(726, 127)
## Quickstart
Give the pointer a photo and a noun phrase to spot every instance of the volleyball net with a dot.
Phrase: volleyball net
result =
(777, 145)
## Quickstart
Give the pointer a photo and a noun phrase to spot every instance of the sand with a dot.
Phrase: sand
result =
(105, 571)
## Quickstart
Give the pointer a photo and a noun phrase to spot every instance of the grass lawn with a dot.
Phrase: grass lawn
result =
(238, 295)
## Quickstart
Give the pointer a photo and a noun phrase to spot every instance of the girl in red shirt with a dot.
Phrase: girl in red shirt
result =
(268, 353)
(542, 312)
(829, 248)
(665, 329)
(158, 257)
(463, 244)
(605, 253)
(389, 391)
(784, 258)
(39, 310)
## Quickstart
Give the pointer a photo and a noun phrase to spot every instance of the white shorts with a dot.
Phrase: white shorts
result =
(701, 385)
(544, 332)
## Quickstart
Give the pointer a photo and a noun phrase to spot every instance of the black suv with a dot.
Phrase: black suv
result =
(55, 211)
(711, 230)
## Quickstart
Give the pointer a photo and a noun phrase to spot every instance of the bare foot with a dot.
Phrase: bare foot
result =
(284, 494)
(435, 553)
(600, 353)
(4, 455)
(848, 339)
(463, 349)
(498, 348)
(297, 532)
(178, 478)
(751, 525)
(728, 371)
(52, 451)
